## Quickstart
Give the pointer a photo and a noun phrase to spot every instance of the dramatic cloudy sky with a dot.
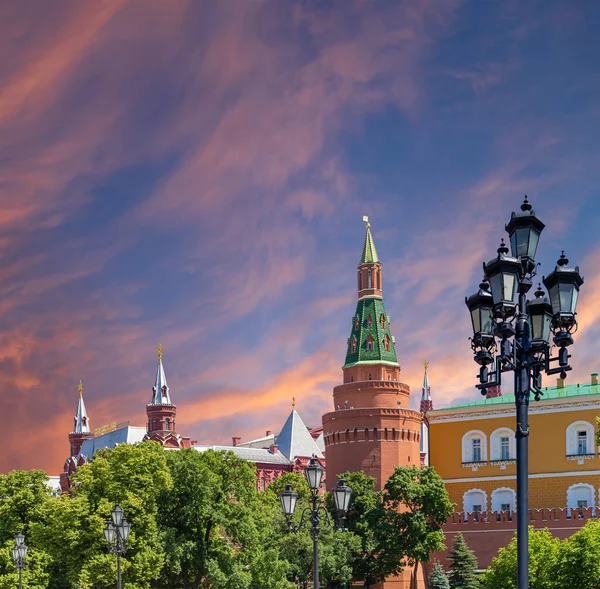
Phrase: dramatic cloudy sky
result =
(195, 174)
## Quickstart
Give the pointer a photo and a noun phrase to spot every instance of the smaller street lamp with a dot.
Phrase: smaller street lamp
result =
(116, 533)
(19, 552)
(341, 495)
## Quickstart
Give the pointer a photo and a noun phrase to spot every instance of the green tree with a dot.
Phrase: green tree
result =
(215, 525)
(438, 580)
(544, 550)
(415, 507)
(463, 566)
(72, 531)
(579, 558)
(24, 496)
(364, 513)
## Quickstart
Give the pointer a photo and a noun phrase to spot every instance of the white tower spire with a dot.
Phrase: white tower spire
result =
(82, 422)
(160, 390)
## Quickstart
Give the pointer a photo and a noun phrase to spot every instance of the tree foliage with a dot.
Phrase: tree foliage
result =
(415, 507)
(438, 580)
(543, 558)
(463, 566)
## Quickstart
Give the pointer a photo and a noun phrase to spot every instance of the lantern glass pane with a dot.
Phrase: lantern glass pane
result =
(109, 533)
(510, 287)
(15, 554)
(22, 550)
(554, 300)
(547, 326)
(487, 321)
(566, 297)
(475, 319)
(496, 287)
(20, 539)
(125, 528)
(534, 237)
(288, 502)
(537, 322)
(522, 242)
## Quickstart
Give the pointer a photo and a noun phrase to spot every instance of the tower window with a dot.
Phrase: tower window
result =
(168, 424)
(382, 322)
(369, 344)
(386, 343)
(356, 323)
(370, 376)
(353, 345)
(369, 321)
(369, 280)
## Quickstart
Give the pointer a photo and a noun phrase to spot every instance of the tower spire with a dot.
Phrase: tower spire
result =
(369, 253)
(82, 423)
(160, 390)
(426, 403)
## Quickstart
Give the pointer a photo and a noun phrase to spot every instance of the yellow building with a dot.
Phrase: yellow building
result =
(473, 448)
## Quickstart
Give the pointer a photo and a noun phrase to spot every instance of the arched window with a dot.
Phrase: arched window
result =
(580, 439)
(167, 424)
(352, 345)
(474, 447)
(370, 376)
(366, 434)
(382, 321)
(474, 502)
(580, 496)
(369, 321)
(503, 499)
(356, 323)
(503, 444)
(386, 343)
(369, 279)
(262, 484)
(369, 343)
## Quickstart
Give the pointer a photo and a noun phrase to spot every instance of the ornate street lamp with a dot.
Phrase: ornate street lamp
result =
(116, 533)
(19, 552)
(341, 495)
(521, 337)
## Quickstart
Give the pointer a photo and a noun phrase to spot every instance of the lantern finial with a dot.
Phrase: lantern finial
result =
(563, 260)
(526, 206)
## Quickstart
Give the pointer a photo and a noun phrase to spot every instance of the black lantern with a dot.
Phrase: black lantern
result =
(563, 288)
(109, 532)
(117, 515)
(540, 315)
(341, 496)
(503, 273)
(524, 229)
(481, 305)
(314, 474)
(288, 500)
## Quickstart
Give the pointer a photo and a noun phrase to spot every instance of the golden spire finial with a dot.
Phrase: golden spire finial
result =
(159, 352)
(426, 364)
(293, 402)
(80, 388)
(366, 220)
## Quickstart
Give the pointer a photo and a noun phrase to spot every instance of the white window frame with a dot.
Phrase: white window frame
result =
(572, 437)
(499, 496)
(496, 444)
(467, 446)
(474, 497)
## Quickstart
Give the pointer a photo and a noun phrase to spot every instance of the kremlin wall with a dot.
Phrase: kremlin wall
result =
(372, 428)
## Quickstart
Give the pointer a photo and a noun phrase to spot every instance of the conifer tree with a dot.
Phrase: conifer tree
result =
(438, 580)
(463, 569)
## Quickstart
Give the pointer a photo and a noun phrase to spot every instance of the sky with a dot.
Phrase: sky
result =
(195, 174)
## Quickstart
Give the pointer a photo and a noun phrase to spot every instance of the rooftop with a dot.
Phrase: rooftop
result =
(550, 393)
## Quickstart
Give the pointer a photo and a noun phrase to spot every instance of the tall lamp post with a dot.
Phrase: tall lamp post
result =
(341, 495)
(116, 533)
(511, 333)
(19, 552)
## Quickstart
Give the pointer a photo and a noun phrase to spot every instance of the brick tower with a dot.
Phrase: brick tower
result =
(372, 429)
(161, 412)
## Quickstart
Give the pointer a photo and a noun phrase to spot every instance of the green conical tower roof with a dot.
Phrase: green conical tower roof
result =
(369, 253)
(370, 339)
